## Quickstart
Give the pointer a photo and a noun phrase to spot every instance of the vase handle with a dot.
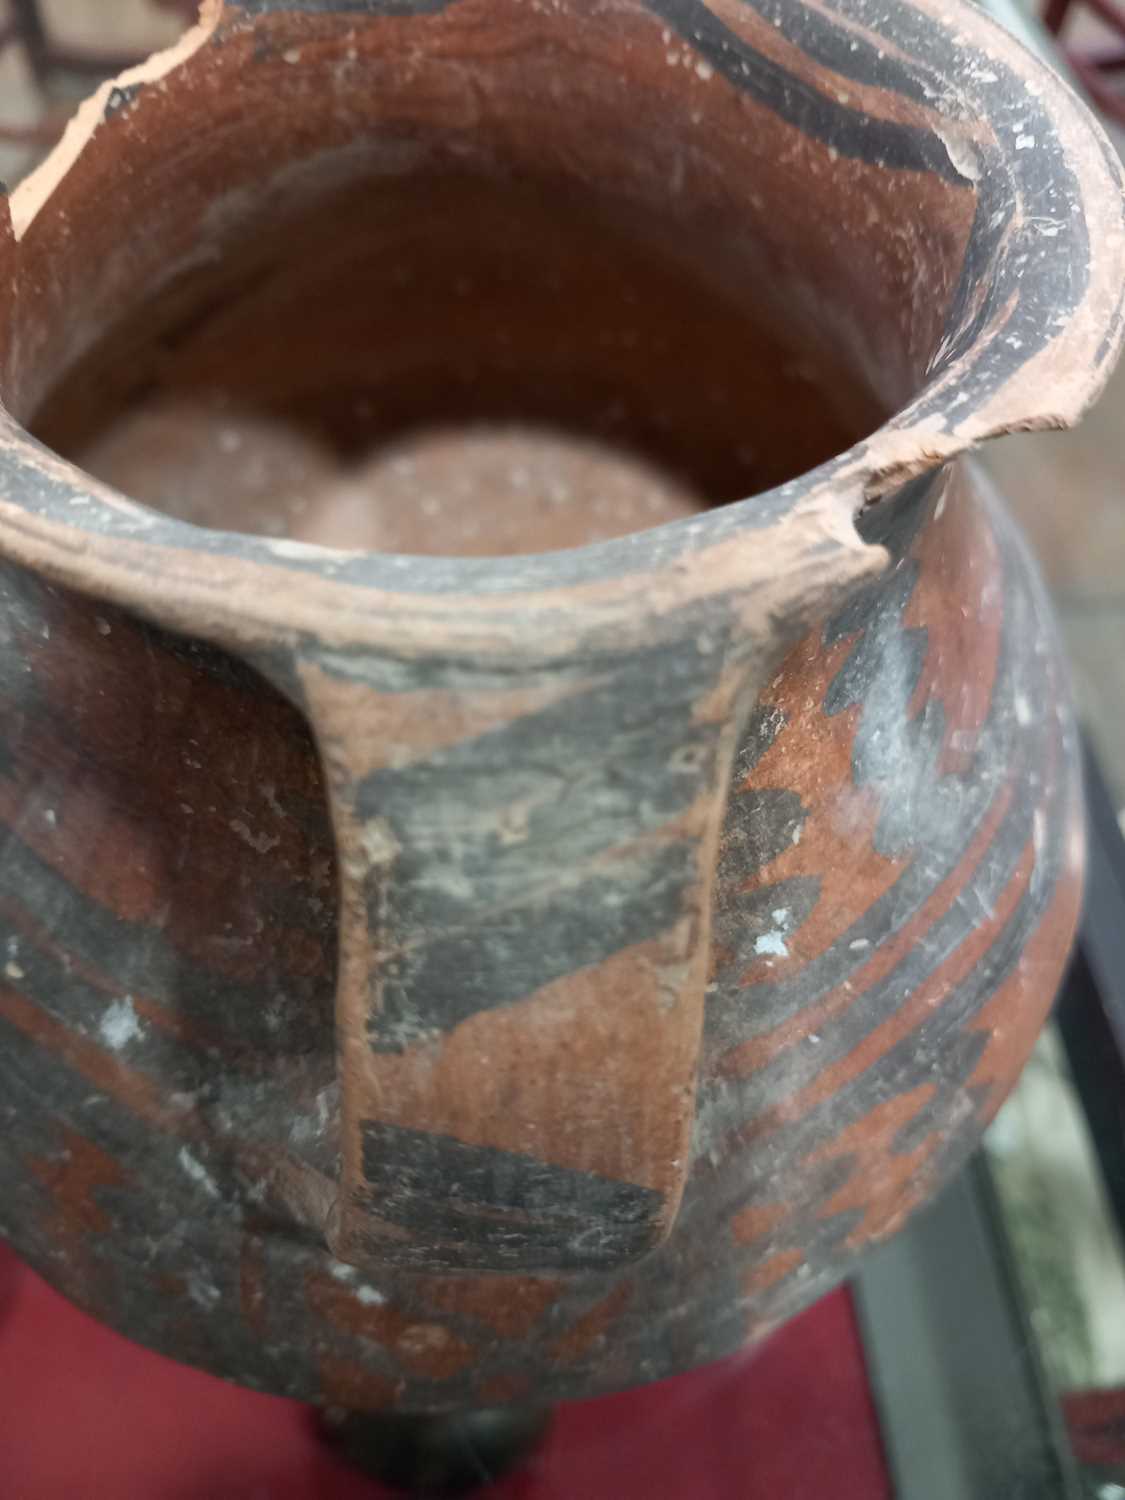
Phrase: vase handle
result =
(526, 880)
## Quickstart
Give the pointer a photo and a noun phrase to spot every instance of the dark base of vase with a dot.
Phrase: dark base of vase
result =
(444, 1454)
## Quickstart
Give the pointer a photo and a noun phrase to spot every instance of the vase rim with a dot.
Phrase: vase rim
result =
(1033, 353)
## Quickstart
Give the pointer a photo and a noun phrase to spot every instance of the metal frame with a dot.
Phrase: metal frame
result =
(964, 1406)
(1091, 1010)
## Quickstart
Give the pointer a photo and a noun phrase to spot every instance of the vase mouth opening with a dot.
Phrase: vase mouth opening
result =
(457, 358)
(411, 293)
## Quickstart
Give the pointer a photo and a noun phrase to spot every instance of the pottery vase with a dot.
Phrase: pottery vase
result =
(540, 810)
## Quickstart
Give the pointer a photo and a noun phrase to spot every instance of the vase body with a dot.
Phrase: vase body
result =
(441, 981)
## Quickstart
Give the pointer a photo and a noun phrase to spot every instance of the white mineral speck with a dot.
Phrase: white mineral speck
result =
(120, 1025)
(772, 942)
(198, 1172)
(203, 1293)
(261, 842)
(379, 842)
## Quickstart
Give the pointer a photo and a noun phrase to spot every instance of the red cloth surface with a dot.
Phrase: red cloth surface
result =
(1096, 1423)
(87, 1415)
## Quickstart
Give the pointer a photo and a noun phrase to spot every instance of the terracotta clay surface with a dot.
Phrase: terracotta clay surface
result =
(489, 910)
(483, 492)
